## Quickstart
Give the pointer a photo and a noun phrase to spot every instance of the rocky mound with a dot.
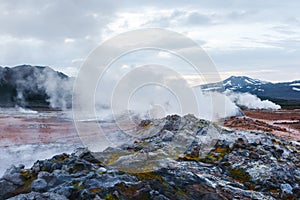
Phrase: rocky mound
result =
(171, 158)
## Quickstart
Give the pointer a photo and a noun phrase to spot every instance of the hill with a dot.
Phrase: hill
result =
(34, 87)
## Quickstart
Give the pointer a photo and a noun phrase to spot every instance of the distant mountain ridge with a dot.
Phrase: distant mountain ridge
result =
(285, 93)
(43, 87)
(35, 87)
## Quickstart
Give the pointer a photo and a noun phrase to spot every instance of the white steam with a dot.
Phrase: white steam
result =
(58, 90)
(27, 154)
(230, 108)
(18, 110)
(154, 91)
(154, 102)
(25, 110)
(251, 101)
(43, 80)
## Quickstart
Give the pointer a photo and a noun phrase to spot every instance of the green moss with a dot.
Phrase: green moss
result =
(78, 185)
(209, 158)
(28, 178)
(109, 158)
(145, 123)
(180, 193)
(110, 197)
(239, 174)
(60, 157)
(188, 157)
(214, 155)
(221, 152)
(149, 176)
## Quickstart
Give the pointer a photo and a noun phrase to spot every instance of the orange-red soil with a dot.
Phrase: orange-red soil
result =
(284, 123)
(20, 130)
(16, 130)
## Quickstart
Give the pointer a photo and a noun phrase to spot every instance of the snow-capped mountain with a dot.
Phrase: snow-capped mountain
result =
(281, 93)
(295, 86)
(235, 83)
(239, 82)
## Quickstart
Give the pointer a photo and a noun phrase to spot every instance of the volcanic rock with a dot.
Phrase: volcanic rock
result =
(171, 158)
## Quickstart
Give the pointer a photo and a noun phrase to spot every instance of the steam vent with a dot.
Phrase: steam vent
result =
(171, 158)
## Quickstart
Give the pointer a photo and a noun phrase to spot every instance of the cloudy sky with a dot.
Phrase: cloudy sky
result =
(256, 38)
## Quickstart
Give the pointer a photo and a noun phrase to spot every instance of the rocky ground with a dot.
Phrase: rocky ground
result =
(283, 123)
(170, 158)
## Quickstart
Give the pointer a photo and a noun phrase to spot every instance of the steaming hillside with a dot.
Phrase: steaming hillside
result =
(35, 87)
(42, 87)
(287, 93)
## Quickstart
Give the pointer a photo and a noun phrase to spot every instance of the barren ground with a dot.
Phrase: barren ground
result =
(16, 130)
(283, 123)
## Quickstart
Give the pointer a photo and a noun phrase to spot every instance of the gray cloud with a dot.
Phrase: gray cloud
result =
(196, 18)
(180, 18)
(61, 33)
(51, 20)
(256, 63)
